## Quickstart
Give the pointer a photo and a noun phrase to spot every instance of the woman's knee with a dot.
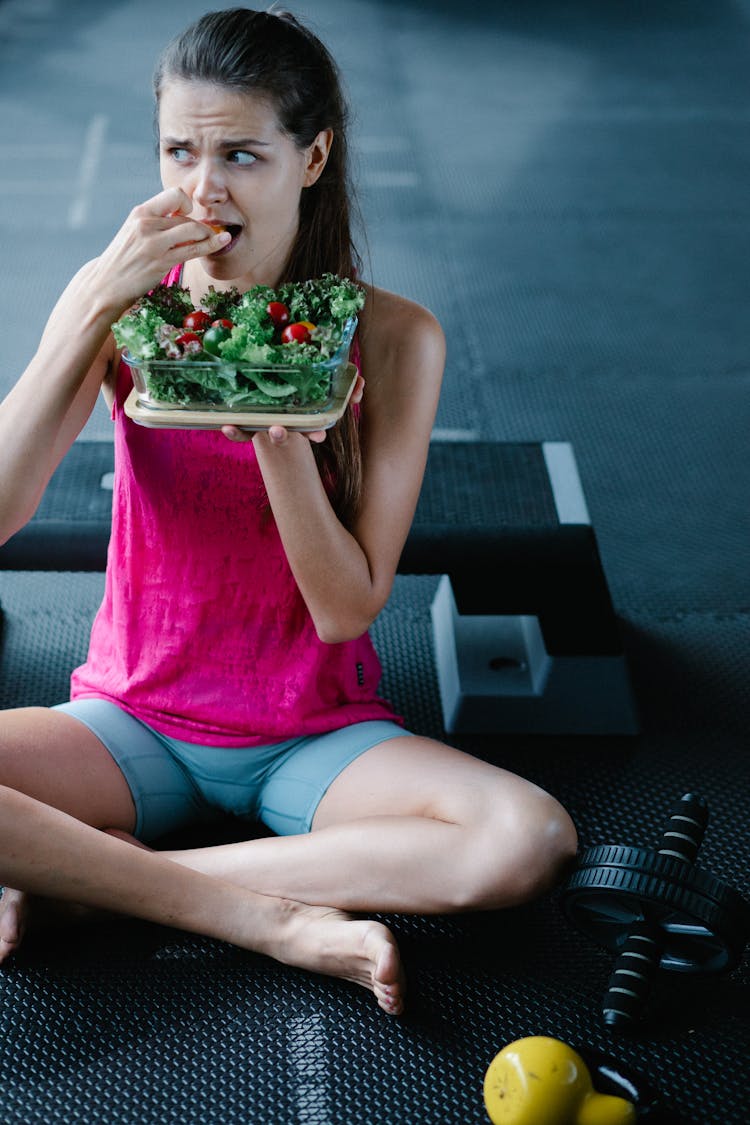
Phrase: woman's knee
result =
(526, 848)
(554, 843)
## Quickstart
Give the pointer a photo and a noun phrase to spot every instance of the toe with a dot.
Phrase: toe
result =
(388, 979)
(12, 922)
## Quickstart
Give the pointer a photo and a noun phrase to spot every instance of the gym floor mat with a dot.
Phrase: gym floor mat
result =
(565, 185)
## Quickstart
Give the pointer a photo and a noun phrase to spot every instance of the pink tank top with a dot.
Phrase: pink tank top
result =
(202, 632)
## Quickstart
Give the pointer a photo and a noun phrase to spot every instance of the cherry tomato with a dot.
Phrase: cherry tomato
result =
(216, 227)
(223, 323)
(196, 320)
(214, 336)
(278, 313)
(295, 333)
(189, 342)
(308, 324)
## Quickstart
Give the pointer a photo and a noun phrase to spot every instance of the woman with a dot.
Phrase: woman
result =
(230, 666)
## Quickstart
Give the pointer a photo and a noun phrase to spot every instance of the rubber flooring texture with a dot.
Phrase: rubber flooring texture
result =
(124, 1022)
(565, 184)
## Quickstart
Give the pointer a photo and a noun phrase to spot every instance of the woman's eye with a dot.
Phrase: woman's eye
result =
(241, 157)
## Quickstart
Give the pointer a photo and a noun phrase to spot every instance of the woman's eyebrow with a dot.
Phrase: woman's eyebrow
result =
(242, 142)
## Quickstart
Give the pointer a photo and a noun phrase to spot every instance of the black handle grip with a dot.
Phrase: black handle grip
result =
(634, 969)
(685, 829)
(630, 982)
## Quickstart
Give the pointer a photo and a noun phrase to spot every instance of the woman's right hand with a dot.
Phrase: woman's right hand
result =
(157, 235)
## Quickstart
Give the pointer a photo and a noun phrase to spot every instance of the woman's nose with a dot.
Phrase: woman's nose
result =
(210, 185)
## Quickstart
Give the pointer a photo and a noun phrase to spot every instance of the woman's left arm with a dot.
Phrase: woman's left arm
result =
(345, 577)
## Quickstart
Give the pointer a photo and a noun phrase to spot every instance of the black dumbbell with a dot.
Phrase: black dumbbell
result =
(655, 909)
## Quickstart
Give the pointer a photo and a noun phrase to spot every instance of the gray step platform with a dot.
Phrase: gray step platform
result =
(526, 638)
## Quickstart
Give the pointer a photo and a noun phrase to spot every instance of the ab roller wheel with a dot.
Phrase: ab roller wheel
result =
(656, 910)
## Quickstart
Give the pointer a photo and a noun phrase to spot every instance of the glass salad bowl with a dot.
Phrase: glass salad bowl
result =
(206, 384)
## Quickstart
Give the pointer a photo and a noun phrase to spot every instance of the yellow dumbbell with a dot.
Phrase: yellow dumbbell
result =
(542, 1081)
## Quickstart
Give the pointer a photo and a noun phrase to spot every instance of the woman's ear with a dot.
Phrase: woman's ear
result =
(317, 155)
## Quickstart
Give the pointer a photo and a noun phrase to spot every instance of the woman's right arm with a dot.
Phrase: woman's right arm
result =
(49, 405)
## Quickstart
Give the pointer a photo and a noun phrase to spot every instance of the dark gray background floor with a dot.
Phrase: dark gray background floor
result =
(565, 185)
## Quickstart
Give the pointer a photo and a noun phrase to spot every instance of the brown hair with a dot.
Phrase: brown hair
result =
(273, 54)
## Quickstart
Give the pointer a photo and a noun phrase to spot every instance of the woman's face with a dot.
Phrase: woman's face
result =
(227, 152)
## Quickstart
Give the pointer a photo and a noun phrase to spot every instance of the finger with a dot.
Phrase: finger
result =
(177, 229)
(234, 433)
(317, 436)
(359, 389)
(200, 247)
(189, 230)
(277, 435)
(170, 202)
(173, 201)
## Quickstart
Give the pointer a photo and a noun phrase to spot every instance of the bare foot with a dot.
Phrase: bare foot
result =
(21, 913)
(316, 938)
(331, 942)
(14, 907)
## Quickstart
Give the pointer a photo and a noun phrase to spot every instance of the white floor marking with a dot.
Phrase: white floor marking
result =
(92, 151)
(310, 1067)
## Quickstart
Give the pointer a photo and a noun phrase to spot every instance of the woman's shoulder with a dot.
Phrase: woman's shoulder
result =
(402, 349)
(391, 318)
(398, 334)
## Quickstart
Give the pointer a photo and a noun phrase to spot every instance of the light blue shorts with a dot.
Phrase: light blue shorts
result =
(176, 784)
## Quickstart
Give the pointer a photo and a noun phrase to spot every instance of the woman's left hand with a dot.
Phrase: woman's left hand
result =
(279, 435)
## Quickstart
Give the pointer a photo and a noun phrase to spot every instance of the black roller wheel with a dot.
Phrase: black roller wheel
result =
(700, 923)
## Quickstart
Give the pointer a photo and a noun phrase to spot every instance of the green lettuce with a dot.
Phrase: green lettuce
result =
(253, 366)
(140, 333)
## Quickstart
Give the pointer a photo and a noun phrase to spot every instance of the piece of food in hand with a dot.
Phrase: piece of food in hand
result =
(217, 227)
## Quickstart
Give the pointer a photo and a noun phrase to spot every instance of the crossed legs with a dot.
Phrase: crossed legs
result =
(58, 785)
(412, 825)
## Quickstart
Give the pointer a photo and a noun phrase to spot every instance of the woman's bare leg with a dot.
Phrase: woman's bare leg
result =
(412, 825)
(52, 765)
(47, 852)
(55, 759)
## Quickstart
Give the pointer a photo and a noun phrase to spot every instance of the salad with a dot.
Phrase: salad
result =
(265, 347)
